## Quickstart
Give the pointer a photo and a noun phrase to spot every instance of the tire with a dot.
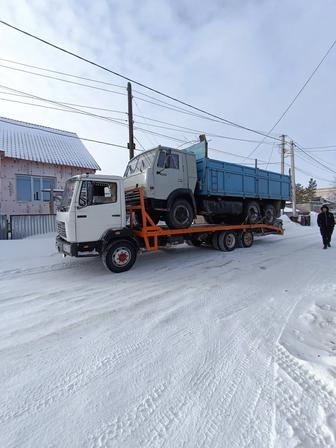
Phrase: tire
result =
(252, 212)
(180, 215)
(245, 239)
(227, 241)
(119, 256)
(214, 241)
(269, 214)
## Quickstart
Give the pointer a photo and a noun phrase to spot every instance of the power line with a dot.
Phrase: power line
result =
(298, 93)
(51, 131)
(315, 159)
(129, 79)
(121, 121)
(63, 73)
(62, 105)
(51, 108)
(64, 80)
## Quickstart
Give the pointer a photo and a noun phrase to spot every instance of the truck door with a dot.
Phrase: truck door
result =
(170, 173)
(98, 209)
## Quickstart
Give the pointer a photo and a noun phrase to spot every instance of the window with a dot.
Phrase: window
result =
(95, 193)
(23, 188)
(140, 163)
(104, 192)
(36, 188)
(67, 195)
(29, 188)
(168, 160)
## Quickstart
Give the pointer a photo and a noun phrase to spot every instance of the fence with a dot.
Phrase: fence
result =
(3, 227)
(28, 225)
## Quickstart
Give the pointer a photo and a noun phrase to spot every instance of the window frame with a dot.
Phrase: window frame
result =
(89, 193)
(32, 179)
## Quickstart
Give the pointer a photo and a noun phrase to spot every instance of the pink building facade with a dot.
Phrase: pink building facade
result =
(11, 169)
(34, 158)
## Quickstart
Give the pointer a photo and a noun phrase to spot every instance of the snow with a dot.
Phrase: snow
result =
(191, 348)
(37, 143)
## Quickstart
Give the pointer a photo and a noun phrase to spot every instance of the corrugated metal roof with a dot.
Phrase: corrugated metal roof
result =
(37, 143)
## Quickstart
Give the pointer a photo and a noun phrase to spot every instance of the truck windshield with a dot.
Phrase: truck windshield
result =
(140, 163)
(67, 196)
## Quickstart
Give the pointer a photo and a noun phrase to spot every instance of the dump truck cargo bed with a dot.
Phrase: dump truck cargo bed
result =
(218, 178)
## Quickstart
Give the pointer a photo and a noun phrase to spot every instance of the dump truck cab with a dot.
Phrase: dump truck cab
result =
(169, 178)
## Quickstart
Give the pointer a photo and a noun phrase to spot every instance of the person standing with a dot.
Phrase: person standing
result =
(326, 223)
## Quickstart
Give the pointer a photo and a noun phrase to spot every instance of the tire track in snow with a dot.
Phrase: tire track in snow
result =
(308, 381)
(309, 432)
(204, 381)
(122, 427)
(223, 410)
(168, 417)
(70, 383)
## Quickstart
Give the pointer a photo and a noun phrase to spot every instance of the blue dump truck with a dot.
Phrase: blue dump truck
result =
(178, 185)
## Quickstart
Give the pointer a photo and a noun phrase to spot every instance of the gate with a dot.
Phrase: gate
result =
(3, 227)
(29, 225)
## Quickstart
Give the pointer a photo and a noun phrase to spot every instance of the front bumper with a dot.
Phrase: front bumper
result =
(90, 249)
(66, 248)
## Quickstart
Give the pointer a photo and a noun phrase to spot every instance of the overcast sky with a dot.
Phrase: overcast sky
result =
(242, 60)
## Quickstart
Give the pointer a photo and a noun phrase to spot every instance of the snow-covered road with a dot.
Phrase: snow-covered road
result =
(191, 348)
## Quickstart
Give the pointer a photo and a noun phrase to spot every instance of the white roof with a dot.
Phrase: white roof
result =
(28, 141)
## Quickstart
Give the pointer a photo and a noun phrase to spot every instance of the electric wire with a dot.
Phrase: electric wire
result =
(158, 92)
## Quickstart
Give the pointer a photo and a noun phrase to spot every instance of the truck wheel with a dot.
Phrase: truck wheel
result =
(227, 241)
(269, 214)
(245, 239)
(119, 256)
(180, 215)
(252, 212)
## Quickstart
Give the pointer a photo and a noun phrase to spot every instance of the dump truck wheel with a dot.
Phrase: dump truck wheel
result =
(252, 212)
(119, 256)
(245, 239)
(227, 241)
(180, 215)
(269, 214)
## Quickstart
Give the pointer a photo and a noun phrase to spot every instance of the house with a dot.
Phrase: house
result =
(327, 193)
(34, 158)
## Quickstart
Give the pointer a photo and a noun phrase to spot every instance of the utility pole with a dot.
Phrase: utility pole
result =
(283, 149)
(292, 146)
(131, 145)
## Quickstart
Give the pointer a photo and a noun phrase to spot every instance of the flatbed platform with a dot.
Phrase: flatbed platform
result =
(151, 233)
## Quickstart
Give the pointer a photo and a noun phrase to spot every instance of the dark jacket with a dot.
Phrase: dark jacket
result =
(326, 220)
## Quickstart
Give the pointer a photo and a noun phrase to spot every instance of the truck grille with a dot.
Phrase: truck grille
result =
(60, 227)
(132, 197)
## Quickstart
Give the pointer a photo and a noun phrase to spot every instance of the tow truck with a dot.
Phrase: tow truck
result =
(98, 217)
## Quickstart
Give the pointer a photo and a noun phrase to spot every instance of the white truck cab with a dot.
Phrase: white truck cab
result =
(91, 220)
(169, 178)
(91, 204)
